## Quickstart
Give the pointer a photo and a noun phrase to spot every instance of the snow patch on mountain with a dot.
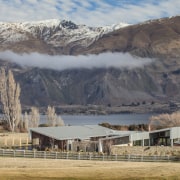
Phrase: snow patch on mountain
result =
(54, 32)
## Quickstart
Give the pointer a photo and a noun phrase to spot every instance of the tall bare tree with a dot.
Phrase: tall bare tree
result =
(59, 121)
(52, 118)
(165, 120)
(24, 124)
(34, 117)
(26, 121)
(9, 98)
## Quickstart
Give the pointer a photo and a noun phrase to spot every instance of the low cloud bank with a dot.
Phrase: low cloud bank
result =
(62, 62)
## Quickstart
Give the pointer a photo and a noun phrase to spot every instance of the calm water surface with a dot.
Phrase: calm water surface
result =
(117, 119)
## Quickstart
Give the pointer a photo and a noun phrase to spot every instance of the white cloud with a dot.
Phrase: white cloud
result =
(84, 12)
(104, 60)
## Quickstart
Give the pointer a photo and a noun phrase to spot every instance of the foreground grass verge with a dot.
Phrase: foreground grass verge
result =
(46, 169)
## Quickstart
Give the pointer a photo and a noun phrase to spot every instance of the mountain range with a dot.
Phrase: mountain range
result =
(157, 83)
(50, 36)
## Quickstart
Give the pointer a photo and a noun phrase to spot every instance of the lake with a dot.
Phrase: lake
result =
(116, 119)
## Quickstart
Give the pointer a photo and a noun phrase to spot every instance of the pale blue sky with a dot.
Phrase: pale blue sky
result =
(89, 12)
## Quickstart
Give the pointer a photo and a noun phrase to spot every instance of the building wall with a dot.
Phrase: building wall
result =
(85, 146)
(175, 133)
(106, 143)
(42, 142)
(139, 136)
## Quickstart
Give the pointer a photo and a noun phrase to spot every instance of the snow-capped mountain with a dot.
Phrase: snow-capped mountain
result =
(55, 33)
(156, 83)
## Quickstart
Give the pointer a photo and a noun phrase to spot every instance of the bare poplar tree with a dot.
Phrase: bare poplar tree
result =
(52, 118)
(26, 121)
(9, 98)
(59, 121)
(34, 117)
(165, 120)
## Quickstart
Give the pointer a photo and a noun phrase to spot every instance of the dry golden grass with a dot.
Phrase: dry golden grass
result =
(7, 139)
(44, 169)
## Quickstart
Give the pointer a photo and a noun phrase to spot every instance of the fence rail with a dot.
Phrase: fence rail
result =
(84, 156)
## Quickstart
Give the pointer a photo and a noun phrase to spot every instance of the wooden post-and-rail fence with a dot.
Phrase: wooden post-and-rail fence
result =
(83, 156)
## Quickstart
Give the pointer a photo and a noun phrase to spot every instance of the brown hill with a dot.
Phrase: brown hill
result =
(157, 38)
(158, 82)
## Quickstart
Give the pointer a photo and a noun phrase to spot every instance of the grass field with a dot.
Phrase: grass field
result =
(44, 169)
(13, 139)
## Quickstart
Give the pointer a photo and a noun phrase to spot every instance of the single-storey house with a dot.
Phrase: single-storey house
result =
(161, 137)
(72, 138)
(97, 138)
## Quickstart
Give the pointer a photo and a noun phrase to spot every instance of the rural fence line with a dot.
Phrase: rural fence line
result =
(83, 156)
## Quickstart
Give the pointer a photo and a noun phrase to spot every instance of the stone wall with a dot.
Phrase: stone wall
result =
(85, 146)
(146, 151)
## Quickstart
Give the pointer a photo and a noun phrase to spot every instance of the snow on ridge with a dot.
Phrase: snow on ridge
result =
(54, 31)
(119, 25)
(50, 23)
(35, 26)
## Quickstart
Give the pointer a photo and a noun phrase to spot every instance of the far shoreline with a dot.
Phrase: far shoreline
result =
(129, 108)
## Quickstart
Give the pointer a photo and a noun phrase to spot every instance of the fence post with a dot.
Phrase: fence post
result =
(27, 141)
(34, 154)
(103, 156)
(67, 155)
(56, 155)
(24, 153)
(79, 156)
(20, 143)
(13, 141)
(116, 157)
(3, 152)
(44, 154)
(5, 141)
(129, 157)
(89, 156)
(14, 153)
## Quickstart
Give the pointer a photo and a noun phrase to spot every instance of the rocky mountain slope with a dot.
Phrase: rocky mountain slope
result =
(156, 38)
(51, 36)
(158, 82)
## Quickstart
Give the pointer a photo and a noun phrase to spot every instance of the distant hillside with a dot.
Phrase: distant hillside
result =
(157, 82)
(157, 38)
